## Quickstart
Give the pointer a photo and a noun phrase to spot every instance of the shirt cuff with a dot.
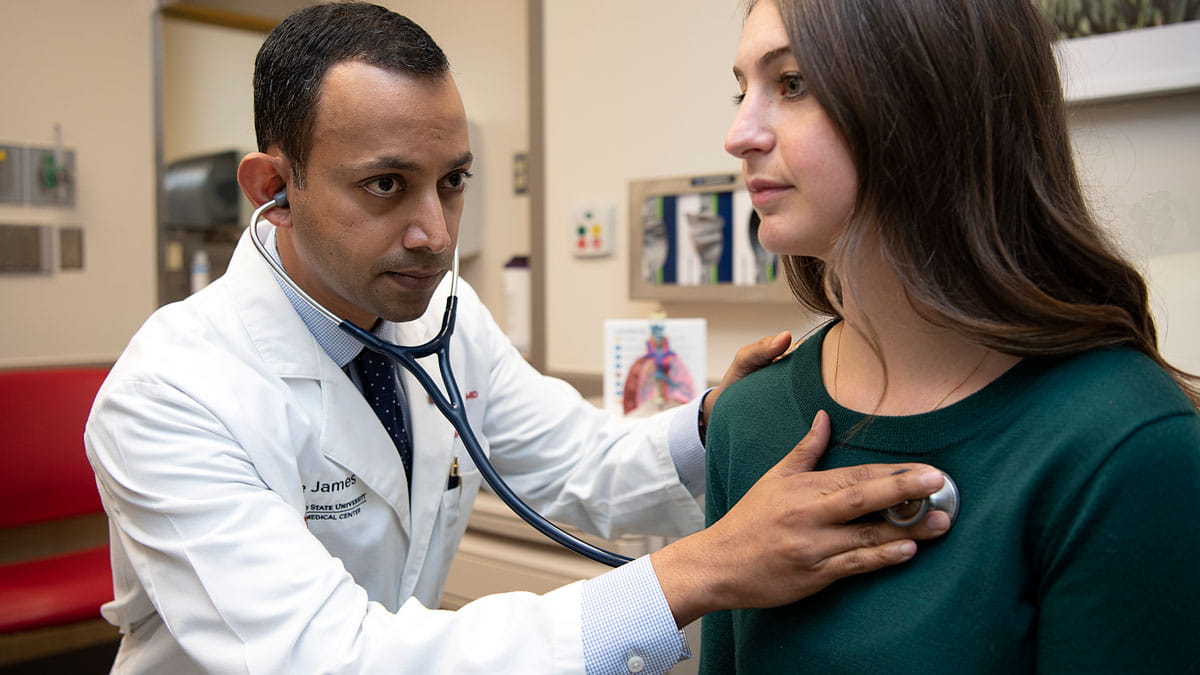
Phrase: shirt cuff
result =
(683, 442)
(627, 625)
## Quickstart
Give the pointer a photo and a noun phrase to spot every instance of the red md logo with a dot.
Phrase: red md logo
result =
(472, 394)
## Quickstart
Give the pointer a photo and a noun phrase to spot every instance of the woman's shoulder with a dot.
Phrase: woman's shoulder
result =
(1112, 376)
(774, 386)
(1099, 398)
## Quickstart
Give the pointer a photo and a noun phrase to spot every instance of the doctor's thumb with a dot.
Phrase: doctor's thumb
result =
(805, 454)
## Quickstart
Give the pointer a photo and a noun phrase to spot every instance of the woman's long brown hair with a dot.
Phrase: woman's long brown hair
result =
(954, 116)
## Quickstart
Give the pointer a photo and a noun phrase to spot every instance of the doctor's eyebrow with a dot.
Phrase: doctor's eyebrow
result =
(392, 163)
(462, 160)
(766, 59)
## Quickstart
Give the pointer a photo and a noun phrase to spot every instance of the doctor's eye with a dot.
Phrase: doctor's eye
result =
(792, 85)
(457, 180)
(383, 186)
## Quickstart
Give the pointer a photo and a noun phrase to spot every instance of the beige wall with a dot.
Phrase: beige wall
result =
(641, 89)
(1140, 163)
(87, 66)
(207, 91)
(208, 96)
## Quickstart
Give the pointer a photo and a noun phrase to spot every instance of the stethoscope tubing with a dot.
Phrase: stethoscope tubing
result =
(449, 404)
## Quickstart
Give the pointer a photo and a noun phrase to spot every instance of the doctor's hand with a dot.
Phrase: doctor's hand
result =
(790, 535)
(748, 359)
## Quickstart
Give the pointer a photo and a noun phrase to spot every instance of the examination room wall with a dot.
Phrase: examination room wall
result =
(642, 90)
(87, 66)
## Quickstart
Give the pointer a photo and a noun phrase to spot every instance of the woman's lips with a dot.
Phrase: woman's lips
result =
(763, 192)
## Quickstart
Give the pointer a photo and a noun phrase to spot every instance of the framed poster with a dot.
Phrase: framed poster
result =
(653, 364)
(695, 238)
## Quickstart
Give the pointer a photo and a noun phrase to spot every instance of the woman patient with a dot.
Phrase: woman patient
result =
(910, 160)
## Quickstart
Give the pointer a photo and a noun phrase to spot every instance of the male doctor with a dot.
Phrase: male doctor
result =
(262, 517)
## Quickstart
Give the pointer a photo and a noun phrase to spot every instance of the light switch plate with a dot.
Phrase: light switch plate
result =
(593, 229)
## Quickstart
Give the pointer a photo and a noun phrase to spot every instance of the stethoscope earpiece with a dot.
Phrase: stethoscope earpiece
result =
(280, 199)
(909, 513)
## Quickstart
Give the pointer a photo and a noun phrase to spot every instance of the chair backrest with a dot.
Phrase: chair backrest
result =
(42, 461)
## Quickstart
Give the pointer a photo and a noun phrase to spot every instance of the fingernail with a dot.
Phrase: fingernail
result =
(904, 549)
(932, 478)
(938, 521)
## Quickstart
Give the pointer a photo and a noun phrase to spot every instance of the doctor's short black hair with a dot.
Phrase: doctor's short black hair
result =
(292, 62)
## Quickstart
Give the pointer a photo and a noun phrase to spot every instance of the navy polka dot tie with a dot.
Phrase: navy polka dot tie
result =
(378, 377)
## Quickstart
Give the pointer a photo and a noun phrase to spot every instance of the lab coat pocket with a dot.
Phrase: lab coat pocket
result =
(456, 499)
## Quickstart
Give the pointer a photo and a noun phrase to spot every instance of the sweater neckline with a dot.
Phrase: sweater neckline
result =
(911, 434)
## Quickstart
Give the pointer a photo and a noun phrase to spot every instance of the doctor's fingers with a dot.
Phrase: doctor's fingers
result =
(843, 544)
(755, 355)
(841, 495)
(860, 561)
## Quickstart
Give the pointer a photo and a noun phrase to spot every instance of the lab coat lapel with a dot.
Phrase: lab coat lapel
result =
(432, 439)
(279, 334)
(351, 434)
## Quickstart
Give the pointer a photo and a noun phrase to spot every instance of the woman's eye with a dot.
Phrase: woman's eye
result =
(792, 85)
(384, 185)
(457, 180)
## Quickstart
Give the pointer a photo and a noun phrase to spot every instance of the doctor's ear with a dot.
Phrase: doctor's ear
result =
(263, 178)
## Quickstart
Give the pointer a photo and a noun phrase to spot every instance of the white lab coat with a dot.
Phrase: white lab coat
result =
(260, 518)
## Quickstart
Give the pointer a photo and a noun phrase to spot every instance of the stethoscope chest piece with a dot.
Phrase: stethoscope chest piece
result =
(909, 513)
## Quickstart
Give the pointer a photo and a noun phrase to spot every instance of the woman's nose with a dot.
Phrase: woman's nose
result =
(751, 130)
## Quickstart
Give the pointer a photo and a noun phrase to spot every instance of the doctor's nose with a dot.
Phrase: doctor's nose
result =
(429, 226)
(750, 131)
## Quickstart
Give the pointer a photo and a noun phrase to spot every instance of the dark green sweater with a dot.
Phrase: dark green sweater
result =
(1077, 548)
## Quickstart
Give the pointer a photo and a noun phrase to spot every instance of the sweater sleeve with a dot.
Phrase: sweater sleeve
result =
(1120, 591)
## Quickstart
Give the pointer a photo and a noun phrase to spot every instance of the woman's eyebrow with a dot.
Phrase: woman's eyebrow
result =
(766, 59)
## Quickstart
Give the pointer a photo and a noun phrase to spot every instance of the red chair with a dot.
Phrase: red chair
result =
(54, 564)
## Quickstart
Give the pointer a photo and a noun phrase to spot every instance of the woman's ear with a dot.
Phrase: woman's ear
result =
(262, 177)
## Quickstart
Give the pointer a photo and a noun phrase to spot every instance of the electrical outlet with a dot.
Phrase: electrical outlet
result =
(593, 228)
(26, 248)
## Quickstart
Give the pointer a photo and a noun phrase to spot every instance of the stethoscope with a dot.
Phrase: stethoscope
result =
(451, 403)
(909, 513)
(906, 514)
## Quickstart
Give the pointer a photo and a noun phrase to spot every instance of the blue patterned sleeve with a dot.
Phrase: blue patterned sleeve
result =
(683, 442)
(627, 625)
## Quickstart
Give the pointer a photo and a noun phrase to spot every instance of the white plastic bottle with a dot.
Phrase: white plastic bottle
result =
(200, 270)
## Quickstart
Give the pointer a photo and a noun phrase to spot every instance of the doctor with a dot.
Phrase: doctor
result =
(261, 517)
